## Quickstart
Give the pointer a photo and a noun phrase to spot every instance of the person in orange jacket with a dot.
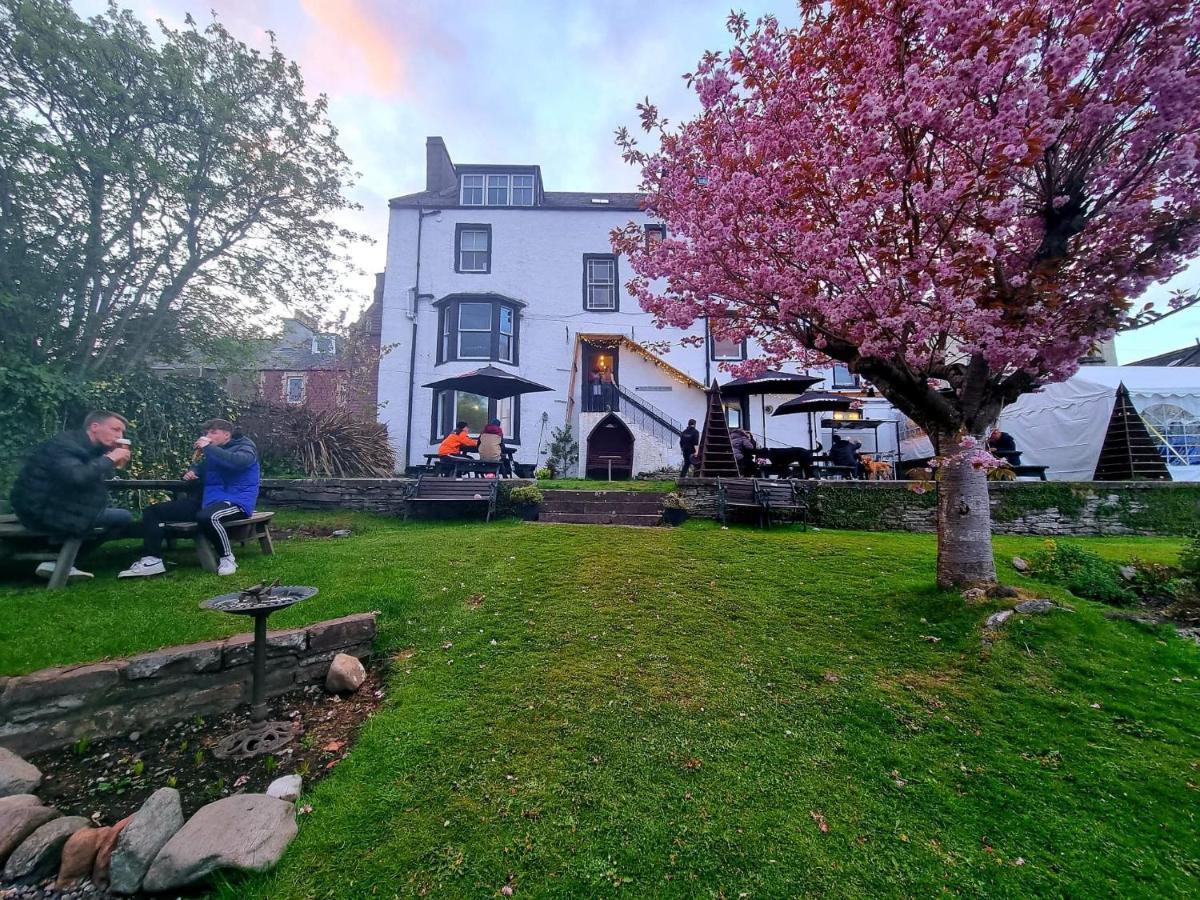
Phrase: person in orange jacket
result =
(456, 442)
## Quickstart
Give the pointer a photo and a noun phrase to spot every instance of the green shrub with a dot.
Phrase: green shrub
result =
(1189, 558)
(1082, 572)
(526, 494)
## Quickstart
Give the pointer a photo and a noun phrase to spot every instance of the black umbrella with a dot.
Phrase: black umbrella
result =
(490, 382)
(814, 401)
(769, 382)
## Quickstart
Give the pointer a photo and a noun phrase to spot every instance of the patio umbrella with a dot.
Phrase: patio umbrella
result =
(768, 382)
(490, 382)
(814, 401)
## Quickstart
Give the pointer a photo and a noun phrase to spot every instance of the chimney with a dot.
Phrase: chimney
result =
(439, 170)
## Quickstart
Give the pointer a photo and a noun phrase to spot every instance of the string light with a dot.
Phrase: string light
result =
(610, 342)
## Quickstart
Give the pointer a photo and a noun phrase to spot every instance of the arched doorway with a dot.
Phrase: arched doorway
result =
(609, 444)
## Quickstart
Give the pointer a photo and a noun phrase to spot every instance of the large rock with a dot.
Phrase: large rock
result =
(139, 842)
(246, 832)
(79, 855)
(20, 822)
(16, 775)
(346, 674)
(286, 788)
(104, 852)
(1034, 606)
(40, 854)
(12, 801)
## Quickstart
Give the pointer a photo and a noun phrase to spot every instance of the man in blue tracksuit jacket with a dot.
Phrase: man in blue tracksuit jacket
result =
(227, 468)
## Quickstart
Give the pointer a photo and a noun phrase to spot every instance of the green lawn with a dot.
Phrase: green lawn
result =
(673, 712)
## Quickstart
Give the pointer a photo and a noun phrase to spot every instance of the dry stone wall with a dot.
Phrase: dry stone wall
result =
(54, 707)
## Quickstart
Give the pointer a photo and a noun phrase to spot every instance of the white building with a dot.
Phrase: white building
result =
(487, 267)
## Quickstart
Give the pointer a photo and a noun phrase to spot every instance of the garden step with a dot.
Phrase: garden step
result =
(652, 507)
(611, 495)
(600, 519)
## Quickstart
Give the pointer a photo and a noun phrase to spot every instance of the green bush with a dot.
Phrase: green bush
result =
(526, 495)
(1082, 572)
(1189, 558)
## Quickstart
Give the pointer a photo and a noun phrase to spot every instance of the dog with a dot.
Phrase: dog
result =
(876, 469)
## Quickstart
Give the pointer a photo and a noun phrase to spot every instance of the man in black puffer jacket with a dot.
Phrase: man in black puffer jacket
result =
(61, 488)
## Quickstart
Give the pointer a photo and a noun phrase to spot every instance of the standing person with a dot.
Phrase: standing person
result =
(227, 470)
(60, 489)
(689, 440)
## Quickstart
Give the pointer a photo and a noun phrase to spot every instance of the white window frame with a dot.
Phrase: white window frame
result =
(486, 251)
(488, 331)
(611, 284)
(482, 186)
(317, 338)
(487, 199)
(288, 378)
(510, 333)
(738, 354)
(512, 194)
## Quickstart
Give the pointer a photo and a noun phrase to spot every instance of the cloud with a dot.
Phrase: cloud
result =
(353, 40)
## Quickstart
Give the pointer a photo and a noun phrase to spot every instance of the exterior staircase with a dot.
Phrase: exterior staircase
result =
(642, 508)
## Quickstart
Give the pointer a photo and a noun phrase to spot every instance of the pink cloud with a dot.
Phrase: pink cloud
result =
(353, 37)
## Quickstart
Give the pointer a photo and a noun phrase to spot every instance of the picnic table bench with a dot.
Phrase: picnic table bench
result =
(252, 528)
(19, 542)
(762, 495)
(439, 490)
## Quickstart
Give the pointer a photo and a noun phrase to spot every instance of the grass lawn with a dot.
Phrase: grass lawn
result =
(675, 712)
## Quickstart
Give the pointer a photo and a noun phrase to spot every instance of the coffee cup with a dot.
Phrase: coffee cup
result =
(124, 442)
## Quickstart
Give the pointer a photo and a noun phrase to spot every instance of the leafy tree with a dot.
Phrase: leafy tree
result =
(954, 198)
(155, 194)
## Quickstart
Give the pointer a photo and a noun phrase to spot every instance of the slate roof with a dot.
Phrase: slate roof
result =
(1185, 356)
(448, 199)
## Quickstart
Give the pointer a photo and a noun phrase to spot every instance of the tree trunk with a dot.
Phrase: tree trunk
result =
(964, 557)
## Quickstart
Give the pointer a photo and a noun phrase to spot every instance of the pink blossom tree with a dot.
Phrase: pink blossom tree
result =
(955, 198)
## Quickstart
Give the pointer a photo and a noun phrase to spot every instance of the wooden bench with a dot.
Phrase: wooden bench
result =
(252, 528)
(737, 493)
(782, 496)
(437, 490)
(19, 542)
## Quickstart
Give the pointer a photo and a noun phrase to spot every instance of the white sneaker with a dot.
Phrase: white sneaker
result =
(227, 566)
(147, 565)
(46, 569)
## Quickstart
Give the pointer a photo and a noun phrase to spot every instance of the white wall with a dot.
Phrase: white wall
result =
(537, 258)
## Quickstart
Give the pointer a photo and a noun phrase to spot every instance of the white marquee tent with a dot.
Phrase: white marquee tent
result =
(1063, 425)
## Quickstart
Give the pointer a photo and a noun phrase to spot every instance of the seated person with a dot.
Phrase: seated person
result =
(1001, 444)
(455, 444)
(743, 452)
(227, 468)
(60, 489)
(491, 441)
(845, 453)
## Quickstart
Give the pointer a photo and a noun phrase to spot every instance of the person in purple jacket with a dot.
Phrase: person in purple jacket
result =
(226, 468)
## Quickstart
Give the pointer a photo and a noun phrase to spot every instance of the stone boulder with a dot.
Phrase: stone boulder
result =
(1020, 564)
(104, 852)
(286, 788)
(79, 855)
(20, 822)
(245, 832)
(40, 854)
(16, 775)
(1034, 607)
(139, 842)
(12, 801)
(996, 619)
(346, 674)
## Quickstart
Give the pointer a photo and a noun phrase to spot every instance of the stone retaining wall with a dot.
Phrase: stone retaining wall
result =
(1018, 507)
(54, 707)
(385, 495)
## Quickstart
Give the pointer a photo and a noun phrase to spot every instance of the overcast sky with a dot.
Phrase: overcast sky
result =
(542, 82)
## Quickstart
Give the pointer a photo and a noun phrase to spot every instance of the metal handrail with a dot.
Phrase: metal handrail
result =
(612, 397)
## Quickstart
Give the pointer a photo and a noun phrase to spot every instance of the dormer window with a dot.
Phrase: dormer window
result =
(497, 189)
(472, 190)
(324, 344)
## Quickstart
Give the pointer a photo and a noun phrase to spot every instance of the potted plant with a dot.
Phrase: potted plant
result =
(527, 500)
(674, 509)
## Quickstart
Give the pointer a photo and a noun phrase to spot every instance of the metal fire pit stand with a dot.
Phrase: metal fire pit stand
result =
(260, 736)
